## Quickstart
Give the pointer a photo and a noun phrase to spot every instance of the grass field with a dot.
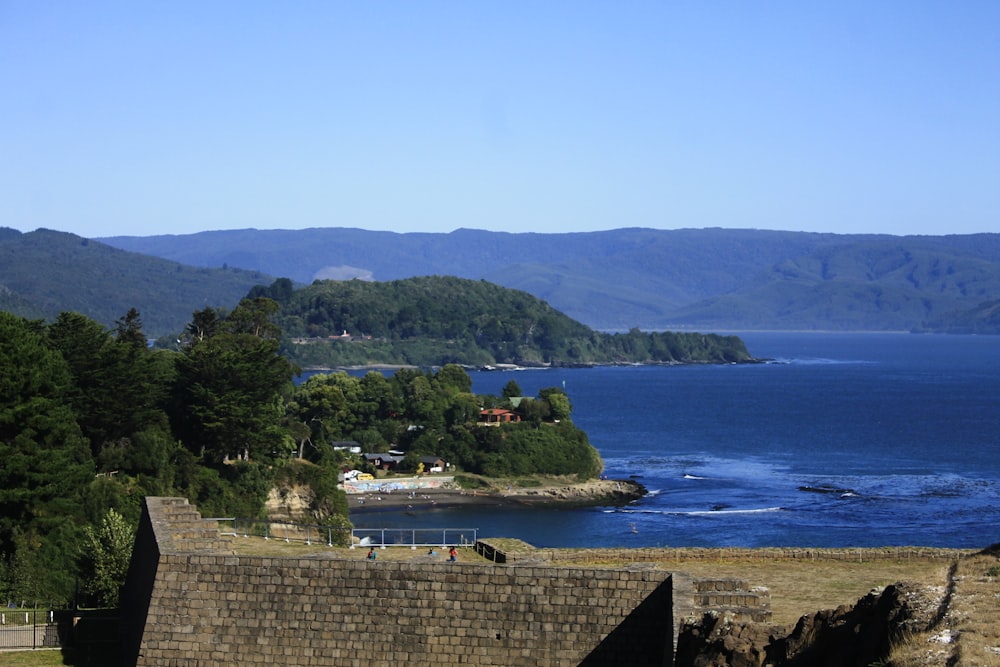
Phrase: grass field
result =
(40, 658)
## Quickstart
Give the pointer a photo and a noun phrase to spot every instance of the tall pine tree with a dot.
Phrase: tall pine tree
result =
(46, 467)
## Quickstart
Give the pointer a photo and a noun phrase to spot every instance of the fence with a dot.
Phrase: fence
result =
(331, 536)
(28, 628)
(289, 532)
(413, 537)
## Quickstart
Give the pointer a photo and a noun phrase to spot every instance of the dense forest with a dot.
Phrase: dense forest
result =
(435, 320)
(45, 272)
(93, 419)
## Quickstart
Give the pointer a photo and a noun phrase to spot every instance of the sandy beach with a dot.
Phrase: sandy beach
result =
(593, 492)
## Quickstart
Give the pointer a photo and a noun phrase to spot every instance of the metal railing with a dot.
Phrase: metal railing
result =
(28, 628)
(346, 537)
(413, 537)
(289, 532)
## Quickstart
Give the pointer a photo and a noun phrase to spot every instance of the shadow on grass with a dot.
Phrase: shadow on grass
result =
(91, 638)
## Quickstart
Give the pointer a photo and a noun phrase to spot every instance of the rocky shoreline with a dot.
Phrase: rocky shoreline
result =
(580, 494)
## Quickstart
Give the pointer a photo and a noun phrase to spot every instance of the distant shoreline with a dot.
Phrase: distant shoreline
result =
(502, 368)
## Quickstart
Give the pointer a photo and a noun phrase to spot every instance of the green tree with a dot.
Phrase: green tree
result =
(46, 463)
(511, 390)
(229, 389)
(280, 290)
(331, 405)
(454, 378)
(253, 317)
(204, 324)
(84, 344)
(559, 405)
(128, 329)
(107, 550)
(119, 386)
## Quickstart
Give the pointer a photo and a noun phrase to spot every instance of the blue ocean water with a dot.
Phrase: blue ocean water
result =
(843, 440)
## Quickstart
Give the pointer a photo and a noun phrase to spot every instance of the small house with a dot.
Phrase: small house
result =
(383, 461)
(433, 463)
(497, 416)
(346, 445)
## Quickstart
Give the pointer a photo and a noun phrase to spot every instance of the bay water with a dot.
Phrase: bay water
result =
(840, 440)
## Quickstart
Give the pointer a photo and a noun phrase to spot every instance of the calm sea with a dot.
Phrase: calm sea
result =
(843, 440)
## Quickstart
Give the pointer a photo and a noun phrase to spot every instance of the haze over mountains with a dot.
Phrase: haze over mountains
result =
(705, 279)
(690, 279)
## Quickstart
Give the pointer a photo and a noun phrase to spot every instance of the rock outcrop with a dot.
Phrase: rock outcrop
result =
(851, 635)
(604, 491)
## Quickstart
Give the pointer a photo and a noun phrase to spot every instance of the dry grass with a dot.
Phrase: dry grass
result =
(968, 634)
(975, 609)
(803, 587)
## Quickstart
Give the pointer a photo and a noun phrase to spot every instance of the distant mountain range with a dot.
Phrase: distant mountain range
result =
(703, 279)
(690, 279)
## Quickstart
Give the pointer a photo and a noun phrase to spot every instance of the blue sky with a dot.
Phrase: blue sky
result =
(145, 118)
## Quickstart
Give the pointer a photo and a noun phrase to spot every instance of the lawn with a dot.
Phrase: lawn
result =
(38, 658)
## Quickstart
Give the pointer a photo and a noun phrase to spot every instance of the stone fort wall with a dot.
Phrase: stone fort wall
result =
(189, 601)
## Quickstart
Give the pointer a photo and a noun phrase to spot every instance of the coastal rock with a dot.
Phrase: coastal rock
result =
(714, 640)
(851, 635)
(289, 503)
(594, 492)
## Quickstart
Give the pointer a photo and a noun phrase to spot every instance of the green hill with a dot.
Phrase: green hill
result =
(44, 272)
(437, 320)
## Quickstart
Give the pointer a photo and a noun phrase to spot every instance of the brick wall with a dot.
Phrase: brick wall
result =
(190, 602)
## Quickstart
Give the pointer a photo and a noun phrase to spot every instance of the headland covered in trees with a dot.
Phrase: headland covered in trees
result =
(434, 320)
(92, 420)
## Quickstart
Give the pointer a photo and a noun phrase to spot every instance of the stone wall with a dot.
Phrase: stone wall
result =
(189, 601)
(664, 555)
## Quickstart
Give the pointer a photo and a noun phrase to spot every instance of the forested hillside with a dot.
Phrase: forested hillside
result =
(873, 285)
(702, 279)
(436, 320)
(43, 273)
(93, 420)
(984, 319)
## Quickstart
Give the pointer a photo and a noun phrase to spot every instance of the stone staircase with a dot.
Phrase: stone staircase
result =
(181, 528)
(732, 596)
(693, 598)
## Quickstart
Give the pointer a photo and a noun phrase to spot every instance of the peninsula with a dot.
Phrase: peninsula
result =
(553, 492)
(436, 320)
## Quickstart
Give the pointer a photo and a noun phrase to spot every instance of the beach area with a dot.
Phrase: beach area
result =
(591, 492)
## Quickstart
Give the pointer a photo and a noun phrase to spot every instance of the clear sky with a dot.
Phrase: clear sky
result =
(843, 116)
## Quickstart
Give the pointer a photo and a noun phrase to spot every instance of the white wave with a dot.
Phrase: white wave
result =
(625, 510)
(689, 476)
(820, 361)
(752, 511)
